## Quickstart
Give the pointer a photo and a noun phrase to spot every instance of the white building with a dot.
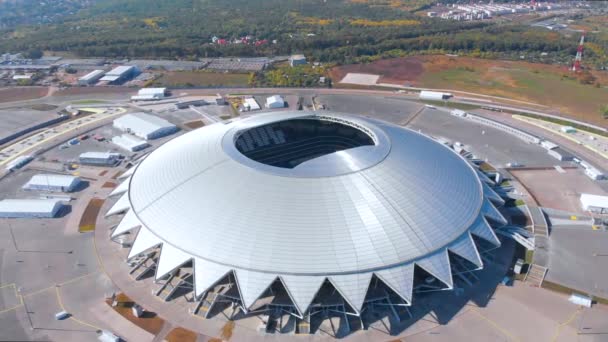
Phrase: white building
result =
(297, 60)
(130, 143)
(120, 74)
(275, 101)
(594, 203)
(145, 126)
(22, 77)
(99, 158)
(91, 78)
(19, 162)
(250, 104)
(434, 95)
(29, 208)
(150, 94)
(568, 129)
(52, 182)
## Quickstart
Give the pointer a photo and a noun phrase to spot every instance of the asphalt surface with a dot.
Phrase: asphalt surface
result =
(47, 253)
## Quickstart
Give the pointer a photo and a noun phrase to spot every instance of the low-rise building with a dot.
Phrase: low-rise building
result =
(594, 203)
(30, 208)
(297, 60)
(100, 158)
(52, 183)
(19, 162)
(130, 143)
(91, 78)
(275, 101)
(150, 94)
(145, 126)
(120, 74)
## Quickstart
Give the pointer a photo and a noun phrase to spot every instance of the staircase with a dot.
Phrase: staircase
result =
(536, 275)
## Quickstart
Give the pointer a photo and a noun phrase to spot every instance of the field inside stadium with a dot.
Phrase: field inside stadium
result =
(549, 85)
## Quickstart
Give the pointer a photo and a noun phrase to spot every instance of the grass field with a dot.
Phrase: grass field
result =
(549, 85)
(202, 79)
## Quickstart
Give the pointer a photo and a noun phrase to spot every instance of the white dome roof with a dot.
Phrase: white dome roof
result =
(375, 209)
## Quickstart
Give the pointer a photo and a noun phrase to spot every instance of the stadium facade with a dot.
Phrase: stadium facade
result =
(306, 213)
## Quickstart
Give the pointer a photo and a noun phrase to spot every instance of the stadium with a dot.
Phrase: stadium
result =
(305, 214)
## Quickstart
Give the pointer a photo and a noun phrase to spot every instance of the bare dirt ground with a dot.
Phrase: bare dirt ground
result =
(22, 93)
(93, 91)
(579, 95)
(394, 70)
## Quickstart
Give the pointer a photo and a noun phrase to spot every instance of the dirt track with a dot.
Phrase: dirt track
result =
(22, 93)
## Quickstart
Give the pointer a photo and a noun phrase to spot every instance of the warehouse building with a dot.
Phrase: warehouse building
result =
(120, 74)
(145, 126)
(275, 101)
(30, 208)
(285, 190)
(91, 78)
(150, 94)
(100, 158)
(53, 183)
(130, 143)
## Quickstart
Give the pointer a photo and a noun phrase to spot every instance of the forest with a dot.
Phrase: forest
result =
(338, 31)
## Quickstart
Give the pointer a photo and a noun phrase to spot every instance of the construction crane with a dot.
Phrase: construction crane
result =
(576, 66)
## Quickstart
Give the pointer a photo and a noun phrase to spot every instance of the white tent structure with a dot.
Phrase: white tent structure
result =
(52, 182)
(355, 199)
(29, 208)
(145, 126)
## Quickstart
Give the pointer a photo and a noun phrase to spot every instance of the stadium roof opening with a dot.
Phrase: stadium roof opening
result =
(290, 143)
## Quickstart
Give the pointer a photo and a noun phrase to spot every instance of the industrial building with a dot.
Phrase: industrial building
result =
(91, 78)
(297, 60)
(130, 143)
(100, 158)
(275, 101)
(311, 215)
(120, 74)
(30, 208)
(145, 126)
(52, 183)
(150, 94)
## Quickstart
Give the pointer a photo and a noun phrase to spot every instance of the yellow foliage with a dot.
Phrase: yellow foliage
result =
(152, 22)
(370, 23)
(405, 5)
(315, 21)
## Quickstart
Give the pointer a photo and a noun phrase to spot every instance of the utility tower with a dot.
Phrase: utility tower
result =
(579, 55)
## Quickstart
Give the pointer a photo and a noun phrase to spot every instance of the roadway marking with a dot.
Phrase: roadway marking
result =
(559, 327)
(53, 136)
(559, 169)
(497, 326)
(72, 317)
(17, 295)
